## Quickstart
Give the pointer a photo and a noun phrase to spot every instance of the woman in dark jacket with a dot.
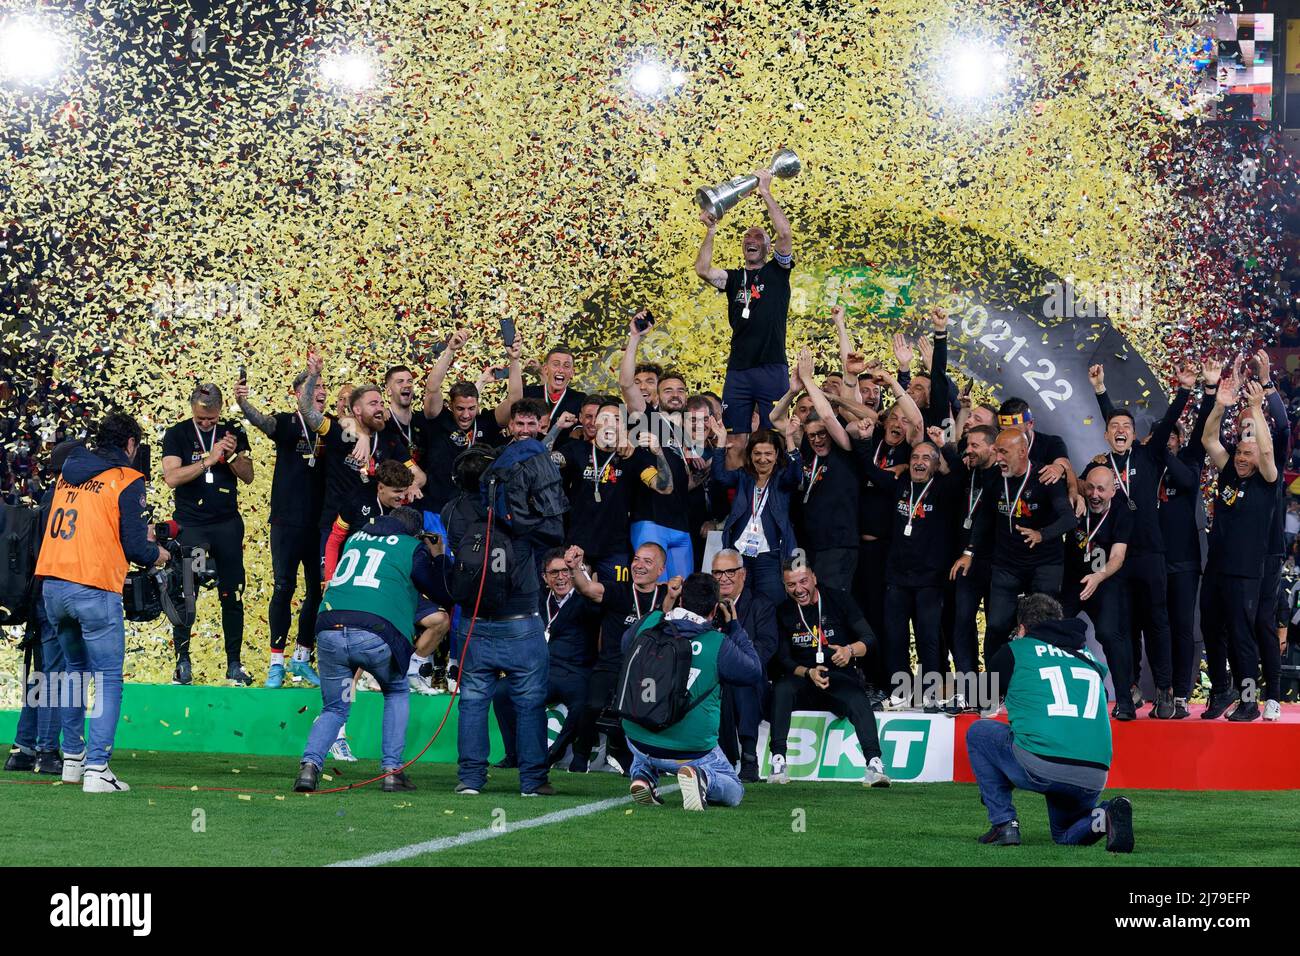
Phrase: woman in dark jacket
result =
(763, 487)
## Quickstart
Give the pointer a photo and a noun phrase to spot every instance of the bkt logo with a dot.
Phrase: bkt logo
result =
(823, 747)
(77, 909)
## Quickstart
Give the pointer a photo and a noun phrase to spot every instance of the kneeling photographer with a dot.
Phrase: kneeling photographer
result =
(96, 525)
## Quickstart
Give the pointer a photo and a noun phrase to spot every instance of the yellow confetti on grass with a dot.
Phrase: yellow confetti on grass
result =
(244, 796)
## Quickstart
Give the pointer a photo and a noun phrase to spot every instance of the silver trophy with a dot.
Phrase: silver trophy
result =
(785, 165)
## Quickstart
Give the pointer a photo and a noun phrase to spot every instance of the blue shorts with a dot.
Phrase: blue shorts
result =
(423, 608)
(749, 388)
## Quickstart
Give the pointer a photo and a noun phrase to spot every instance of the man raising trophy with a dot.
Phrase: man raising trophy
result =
(758, 302)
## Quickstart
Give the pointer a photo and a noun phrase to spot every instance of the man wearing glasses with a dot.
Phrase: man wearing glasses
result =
(742, 705)
(572, 624)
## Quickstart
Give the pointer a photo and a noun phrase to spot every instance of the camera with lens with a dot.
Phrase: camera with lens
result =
(171, 589)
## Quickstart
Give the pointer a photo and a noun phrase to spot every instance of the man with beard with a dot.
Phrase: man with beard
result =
(1239, 544)
(399, 387)
(1094, 555)
(664, 518)
(888, 449)
(920, 544)
(1137, 469)
(555, 393)
(297, 496)
(832, 475)
(977, 475)
(459, 423)
(622, 604)
(821, 633)
(758, 303)
(204, 459)
(600, 480)
(742, 706)
(353, 447)
(1181, 519)
(1026, 526)
(1047, 453)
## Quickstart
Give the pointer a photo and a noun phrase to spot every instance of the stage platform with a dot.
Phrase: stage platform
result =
(1189, 754)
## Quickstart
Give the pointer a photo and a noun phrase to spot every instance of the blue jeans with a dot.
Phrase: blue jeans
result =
(517, 649)
(92, 634)
(677, 544)
(41, 717)
(339, 652)
(998, 772)
(724, 787)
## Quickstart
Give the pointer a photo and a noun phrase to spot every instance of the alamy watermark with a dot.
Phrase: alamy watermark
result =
(1110, 298)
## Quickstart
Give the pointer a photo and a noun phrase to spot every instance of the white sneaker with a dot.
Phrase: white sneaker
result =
(103, 781)
(340, 750)
(367, 682)
(74, 767)
(898, 700)
(693, 786)
(1272, 711)
(778, 772)
(419, 684)
(875, 774)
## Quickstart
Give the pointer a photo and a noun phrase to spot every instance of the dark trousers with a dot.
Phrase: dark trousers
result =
(1005, 587)
(1182, 603)
(1228, 606)
(1147, 586)
(566, 686)
(742, 711)
(292, 548)
(967, 593)
(1270, 655)
(922, 609)
(869, 592)
(834, 567)
(763, 574)
(225, 543)
(600, 691)
(1108, 612)
(844, 698)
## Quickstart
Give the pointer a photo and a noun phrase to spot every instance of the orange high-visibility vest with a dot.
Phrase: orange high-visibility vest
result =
(81, 542)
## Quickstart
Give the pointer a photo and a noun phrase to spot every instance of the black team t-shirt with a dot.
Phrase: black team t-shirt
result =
(826, 505)
(923, 527)
(443, 444)
(620, 608)
(1138, 479)
(1243, 515)
(600, 528)
(1089, 546)
(1044, 508)
(759, 339)
(201, 502)
(841, 622)
(875, 504)
(414, 435)
(570, 400)
(671, 511)
(1176, 497)
(362, 508)
(344, 477)
(298, 482)
(1047, 449)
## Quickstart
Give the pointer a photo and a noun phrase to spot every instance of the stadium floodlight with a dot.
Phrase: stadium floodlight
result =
(974, 70)
(31, 52)
(351, 71)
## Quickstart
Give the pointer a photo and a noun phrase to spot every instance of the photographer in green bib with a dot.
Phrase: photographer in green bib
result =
(366, 621)
(1057, 740)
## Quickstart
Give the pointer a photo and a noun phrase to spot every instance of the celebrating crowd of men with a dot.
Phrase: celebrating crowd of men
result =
(850, 518)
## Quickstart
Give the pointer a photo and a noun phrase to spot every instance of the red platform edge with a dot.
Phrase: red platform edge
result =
(1188, 754)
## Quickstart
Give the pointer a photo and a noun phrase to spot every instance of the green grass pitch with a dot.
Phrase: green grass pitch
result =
(162, 822)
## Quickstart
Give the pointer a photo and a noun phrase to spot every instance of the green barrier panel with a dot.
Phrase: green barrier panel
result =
(252, 720)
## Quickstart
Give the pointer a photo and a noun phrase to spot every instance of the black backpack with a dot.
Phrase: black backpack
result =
(525, 488)
(652, 687)
(19, 543)
(473, 565)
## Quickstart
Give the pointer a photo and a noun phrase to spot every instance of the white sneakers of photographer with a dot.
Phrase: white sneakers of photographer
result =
(74, 765)
(102, 781)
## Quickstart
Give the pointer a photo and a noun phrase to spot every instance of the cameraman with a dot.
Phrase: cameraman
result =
(96, 525)
(202, 458)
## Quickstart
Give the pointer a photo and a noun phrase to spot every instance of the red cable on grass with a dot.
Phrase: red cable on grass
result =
(460, 667)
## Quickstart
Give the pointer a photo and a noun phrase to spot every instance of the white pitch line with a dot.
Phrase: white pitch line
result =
(488, 833)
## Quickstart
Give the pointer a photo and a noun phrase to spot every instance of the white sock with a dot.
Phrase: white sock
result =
(277, 657)
(343, 732)
(301, 653)
(416, 661)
